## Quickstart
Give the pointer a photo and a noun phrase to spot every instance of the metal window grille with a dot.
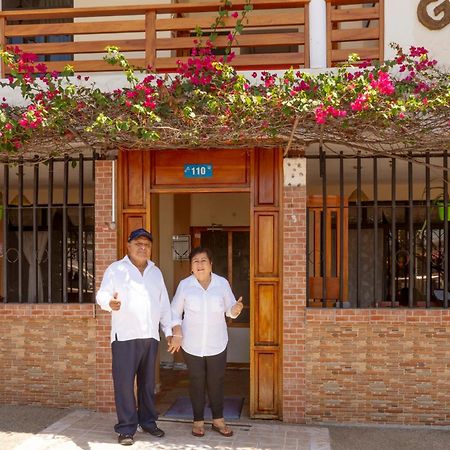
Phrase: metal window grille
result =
(377, 231)
(47, 232)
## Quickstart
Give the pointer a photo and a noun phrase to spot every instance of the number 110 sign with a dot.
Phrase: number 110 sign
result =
(198, 170)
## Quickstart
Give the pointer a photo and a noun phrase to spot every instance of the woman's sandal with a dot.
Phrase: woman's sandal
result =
(198, 428)
(224, 431)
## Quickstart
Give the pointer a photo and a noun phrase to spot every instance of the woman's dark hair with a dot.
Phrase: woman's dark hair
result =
(197, 250)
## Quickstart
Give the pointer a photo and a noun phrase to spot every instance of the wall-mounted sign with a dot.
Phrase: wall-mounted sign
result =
(434, 14)
(181, 247)
(198, 170)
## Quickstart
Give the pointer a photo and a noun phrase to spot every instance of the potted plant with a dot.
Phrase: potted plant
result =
(438, 202)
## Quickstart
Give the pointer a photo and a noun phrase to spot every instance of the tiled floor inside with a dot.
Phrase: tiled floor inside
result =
(174, 384)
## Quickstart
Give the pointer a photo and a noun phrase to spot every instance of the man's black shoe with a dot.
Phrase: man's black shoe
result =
(157, 432)
(125, 439)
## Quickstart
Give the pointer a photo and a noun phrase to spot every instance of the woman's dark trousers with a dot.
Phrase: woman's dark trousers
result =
(206, 374)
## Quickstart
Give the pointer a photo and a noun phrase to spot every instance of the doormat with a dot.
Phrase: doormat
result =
(182, 409)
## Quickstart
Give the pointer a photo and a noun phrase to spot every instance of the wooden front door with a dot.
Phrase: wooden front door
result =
(141, 173)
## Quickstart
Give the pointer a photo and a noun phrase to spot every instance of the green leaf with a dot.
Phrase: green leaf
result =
(188, 112)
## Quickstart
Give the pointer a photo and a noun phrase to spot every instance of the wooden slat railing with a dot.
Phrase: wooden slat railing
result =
(275, 35)
(354, 26)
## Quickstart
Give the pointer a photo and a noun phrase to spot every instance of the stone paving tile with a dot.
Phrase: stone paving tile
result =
(87, 430)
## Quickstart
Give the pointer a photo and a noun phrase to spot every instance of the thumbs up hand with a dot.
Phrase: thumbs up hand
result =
(114, 303)
(237, 308)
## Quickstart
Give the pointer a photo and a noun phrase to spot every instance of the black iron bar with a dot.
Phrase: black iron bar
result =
(20, 230)
(375, 229)
(341, 230)
(411, 279)
(5, 231)
(64, 231)
(358, 229)
(445, 252)
(393, 233)
(323, 253)
(50, 230)
(308, 290)
(81, 273)
(428, 231)
(34, 263)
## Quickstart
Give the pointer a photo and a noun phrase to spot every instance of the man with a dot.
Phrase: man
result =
(133, 290)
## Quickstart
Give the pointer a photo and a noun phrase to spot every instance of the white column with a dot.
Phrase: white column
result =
(318, 34)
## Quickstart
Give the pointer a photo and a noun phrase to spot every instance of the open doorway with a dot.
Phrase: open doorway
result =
(221, 222)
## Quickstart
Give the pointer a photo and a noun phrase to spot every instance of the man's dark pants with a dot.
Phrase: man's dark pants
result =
(136, 357)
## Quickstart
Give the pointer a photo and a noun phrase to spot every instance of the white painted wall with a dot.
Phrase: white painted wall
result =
(317, 37)
(206, 209)
(224, 209)
(403, 27)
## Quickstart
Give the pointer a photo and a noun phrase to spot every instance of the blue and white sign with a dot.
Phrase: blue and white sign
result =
(198, 170)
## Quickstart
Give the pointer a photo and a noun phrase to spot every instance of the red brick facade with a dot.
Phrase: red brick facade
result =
(294, 303)
(378, 366)
(46, 355)
(105, 254)
(382, 366)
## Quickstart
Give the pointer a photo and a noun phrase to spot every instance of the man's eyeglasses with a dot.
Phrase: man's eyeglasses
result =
(142, 244)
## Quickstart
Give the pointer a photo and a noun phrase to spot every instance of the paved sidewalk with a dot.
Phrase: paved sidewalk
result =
(89, 430)
(20, 429)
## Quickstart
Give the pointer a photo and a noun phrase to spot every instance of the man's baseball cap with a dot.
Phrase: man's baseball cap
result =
(140, 232)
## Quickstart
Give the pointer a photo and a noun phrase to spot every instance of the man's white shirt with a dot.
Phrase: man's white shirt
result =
(144, 301)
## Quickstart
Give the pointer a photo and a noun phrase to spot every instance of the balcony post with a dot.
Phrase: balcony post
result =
(317, 36)
(2, 44)
(150, 39)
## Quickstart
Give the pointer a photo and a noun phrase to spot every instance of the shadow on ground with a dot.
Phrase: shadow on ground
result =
(388, 438)
(18, 423)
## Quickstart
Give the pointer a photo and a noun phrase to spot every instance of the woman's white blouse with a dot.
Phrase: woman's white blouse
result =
(204, 326)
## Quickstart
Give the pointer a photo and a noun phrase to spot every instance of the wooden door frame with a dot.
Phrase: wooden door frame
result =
(262, 179)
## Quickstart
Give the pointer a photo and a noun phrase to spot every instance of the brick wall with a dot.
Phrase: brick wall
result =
(46, 355)
(105, 254)
(294, 301)
(378, 365)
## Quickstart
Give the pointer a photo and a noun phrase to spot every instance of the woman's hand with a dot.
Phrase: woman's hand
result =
(237, 308)
(174, 344)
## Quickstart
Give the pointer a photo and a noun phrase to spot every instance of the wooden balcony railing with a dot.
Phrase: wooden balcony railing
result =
(275, 35)
(354, 26)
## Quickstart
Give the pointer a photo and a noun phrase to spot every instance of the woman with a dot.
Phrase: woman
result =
(204, 298)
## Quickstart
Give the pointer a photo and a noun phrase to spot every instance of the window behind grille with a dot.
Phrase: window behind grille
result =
(47, 231)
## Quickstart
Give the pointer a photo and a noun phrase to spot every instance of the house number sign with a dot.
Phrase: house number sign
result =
(198, 170)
